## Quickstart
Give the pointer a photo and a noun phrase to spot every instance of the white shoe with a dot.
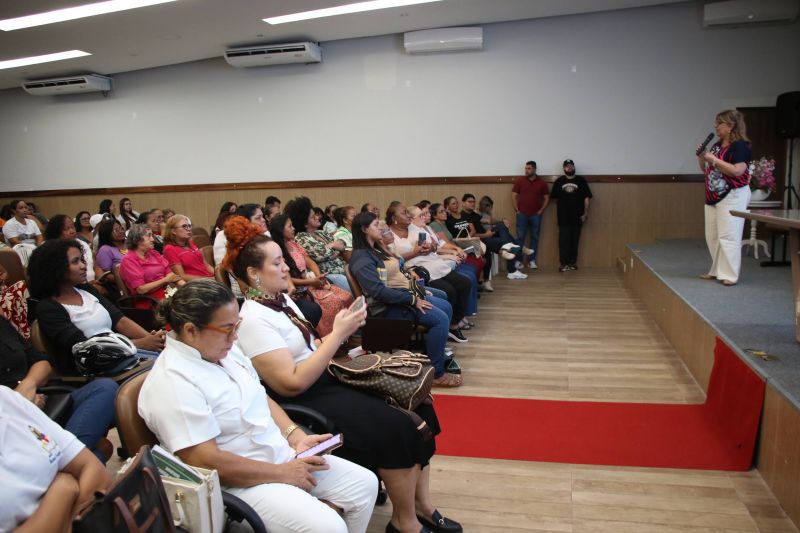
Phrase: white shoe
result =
(508, 256)
(517, 275)
(527, 251)
(511, 247)
(532, 264)
(518, 265)
(487, 286)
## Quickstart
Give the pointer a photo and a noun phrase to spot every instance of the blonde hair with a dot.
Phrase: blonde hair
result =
(736, 120)
(172, 223)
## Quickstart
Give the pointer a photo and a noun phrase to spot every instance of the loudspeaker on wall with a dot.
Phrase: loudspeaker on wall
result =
(787, 111)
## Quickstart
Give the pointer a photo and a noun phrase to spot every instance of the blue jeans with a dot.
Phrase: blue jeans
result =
(93, 413)
(526, 224)
(469, 272)
(437, 320)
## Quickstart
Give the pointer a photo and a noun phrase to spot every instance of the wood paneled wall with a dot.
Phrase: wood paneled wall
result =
(778, 453)
(630, 211)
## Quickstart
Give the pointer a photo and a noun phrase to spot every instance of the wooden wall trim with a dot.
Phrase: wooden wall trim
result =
(368, 182)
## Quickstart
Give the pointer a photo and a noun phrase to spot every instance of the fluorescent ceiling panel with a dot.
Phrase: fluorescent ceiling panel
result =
(344, 10)
(35, 60)
(77, 12)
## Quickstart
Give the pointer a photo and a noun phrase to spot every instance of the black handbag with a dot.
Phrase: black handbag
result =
(135, 502)
(57, 406)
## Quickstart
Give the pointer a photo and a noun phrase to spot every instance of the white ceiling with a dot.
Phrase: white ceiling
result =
(190, 30)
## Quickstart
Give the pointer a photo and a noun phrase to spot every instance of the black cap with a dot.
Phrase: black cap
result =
(568, 162)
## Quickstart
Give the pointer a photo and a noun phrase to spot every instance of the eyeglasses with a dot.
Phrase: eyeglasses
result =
(185, 226)
(227, 330)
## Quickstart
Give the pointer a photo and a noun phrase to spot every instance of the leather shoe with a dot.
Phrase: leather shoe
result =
(391, 529)
(439, 524)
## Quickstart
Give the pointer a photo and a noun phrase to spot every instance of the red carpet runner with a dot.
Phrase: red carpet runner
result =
(717, 435)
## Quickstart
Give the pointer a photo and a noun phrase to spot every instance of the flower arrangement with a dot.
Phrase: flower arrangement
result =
(761, 174)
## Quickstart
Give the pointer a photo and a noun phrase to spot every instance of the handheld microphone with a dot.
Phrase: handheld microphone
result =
(705, 143)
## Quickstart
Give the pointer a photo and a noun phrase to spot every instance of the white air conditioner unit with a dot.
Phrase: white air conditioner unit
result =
(87, 83)
(443, 40)
(741, 12)
(273, 54)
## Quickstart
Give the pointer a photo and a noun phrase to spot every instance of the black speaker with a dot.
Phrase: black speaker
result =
(787, 111)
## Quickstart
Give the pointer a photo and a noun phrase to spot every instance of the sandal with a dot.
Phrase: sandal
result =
(448, 380)
(707, 276)
(728, 283)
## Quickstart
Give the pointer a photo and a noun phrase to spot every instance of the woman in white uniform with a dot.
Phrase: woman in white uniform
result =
(205, 403)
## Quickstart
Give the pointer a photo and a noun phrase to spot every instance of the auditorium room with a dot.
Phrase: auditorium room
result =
(256, 254)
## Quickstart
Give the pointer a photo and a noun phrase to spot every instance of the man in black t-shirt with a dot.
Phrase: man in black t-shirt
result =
(499, 240)
(572, 194)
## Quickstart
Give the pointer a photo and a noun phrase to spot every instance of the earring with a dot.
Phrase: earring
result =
(258, 282)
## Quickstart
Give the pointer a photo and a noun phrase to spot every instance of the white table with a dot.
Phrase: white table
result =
(753, 240)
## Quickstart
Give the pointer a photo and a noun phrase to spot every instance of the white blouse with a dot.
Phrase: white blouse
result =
(187, 400)
(437, 266)
(264, 330)
(90, 317)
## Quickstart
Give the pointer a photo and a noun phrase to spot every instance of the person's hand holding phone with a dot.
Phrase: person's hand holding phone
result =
(347, 321)
(309, 441)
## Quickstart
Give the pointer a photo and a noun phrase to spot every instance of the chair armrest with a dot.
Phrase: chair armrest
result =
(310, 420)
(238, 510)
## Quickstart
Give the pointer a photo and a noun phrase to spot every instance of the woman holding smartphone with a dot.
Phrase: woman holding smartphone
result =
(293, 363)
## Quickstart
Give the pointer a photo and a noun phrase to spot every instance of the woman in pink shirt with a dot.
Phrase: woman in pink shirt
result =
(182, 254)
(144, 270)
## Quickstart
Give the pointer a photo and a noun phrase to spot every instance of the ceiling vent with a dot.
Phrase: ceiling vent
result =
(273, 54)
(87, 83)
(443, 40)
(743, 12)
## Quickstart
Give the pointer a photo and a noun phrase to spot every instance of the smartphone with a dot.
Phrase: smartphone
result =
(422, 237)
(326, 446)
(358, 305)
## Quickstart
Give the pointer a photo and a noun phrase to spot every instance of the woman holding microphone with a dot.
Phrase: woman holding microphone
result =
(727, 179)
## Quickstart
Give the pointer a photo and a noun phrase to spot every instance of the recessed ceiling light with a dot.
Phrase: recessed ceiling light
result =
(35, 60)
(77, 12)
(344, 10)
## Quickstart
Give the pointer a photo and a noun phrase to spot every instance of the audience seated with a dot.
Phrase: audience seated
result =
(323, 249)
(292, 362)
(83, 227)
(219, 416)
(227, 209)
(70, 310)
(328, 222)
(344, 220)
(48, 475)
(22, 231)
(111, 246)
(62, 227)
(127, 216)
(107, 207)
(150, 219)
(91, 413)
(182, 254)
(438, 224)
(454, 256)
(418, 253)
(143, 270)
(374, 267)
(306, 276)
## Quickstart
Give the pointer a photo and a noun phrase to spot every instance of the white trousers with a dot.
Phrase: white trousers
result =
(724, 234)
(286, 508)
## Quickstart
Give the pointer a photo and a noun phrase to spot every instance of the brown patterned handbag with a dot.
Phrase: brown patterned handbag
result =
(402, 378)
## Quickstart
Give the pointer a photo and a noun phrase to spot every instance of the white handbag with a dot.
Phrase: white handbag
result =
(196, 507)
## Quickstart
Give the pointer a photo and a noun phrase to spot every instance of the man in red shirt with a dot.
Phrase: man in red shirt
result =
(530, 197)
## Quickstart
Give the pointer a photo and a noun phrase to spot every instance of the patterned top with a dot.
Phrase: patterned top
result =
(315, 246)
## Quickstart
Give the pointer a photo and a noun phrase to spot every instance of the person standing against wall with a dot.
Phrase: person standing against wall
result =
(572, 194)
(530, 197)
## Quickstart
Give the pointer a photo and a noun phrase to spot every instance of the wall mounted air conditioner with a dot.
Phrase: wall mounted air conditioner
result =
(87, 83)
(741, 12)
(273, 54)
(443, 40)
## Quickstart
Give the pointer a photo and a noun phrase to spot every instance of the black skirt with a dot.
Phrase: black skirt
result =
(376, 435)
